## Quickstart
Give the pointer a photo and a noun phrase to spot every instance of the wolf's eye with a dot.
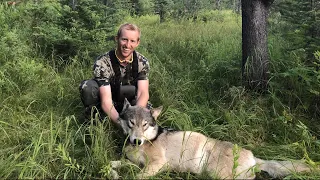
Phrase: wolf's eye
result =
(131, 121)
(145, 124)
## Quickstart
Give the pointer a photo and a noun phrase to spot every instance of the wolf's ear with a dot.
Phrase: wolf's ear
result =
(126, 104)
(155, 112)
(124, 125)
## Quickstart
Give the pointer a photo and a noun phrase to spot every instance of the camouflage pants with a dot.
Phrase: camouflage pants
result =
(89, 94)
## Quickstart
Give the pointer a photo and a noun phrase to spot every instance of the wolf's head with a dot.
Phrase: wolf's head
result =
(139, 123)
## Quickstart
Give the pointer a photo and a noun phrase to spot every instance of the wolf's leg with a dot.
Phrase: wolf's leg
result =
(115, 164)
(151, 170)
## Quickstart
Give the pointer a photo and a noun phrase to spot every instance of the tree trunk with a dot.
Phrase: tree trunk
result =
(238, 6)
(218, 4)
(255, 57)
(74, 4)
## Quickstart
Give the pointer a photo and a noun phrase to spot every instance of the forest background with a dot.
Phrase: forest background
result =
(194, 46)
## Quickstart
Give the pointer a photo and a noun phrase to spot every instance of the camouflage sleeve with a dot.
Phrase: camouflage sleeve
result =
(102, 70)
(144, 67)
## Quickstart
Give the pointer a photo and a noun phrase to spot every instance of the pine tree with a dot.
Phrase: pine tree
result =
(303, 17)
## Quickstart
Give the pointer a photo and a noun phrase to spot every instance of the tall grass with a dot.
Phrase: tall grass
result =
(195, 74)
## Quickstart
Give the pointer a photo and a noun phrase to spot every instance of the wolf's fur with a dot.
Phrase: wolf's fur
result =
(158, 149)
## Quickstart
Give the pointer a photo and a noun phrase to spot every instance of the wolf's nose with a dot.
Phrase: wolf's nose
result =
(137, 142)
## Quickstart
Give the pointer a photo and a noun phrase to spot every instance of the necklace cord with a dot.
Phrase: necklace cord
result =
(122, 61)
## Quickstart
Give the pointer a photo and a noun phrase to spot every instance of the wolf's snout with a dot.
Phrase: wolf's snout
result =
(137, 142)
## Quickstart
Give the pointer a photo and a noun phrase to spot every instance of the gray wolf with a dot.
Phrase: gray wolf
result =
(158, 149)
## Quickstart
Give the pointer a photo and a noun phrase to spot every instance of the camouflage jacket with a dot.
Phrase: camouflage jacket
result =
(104, 72)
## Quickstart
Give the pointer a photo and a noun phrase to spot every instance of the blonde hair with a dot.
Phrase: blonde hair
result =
(128, 26)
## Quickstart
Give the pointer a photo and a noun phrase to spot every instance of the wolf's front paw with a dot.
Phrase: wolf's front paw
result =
(115, 164)
(114, 174)
(110, 171)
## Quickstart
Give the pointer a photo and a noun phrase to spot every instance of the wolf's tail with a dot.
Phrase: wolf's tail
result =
(278, 169)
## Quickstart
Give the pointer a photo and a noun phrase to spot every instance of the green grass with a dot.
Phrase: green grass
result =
(195, 75)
